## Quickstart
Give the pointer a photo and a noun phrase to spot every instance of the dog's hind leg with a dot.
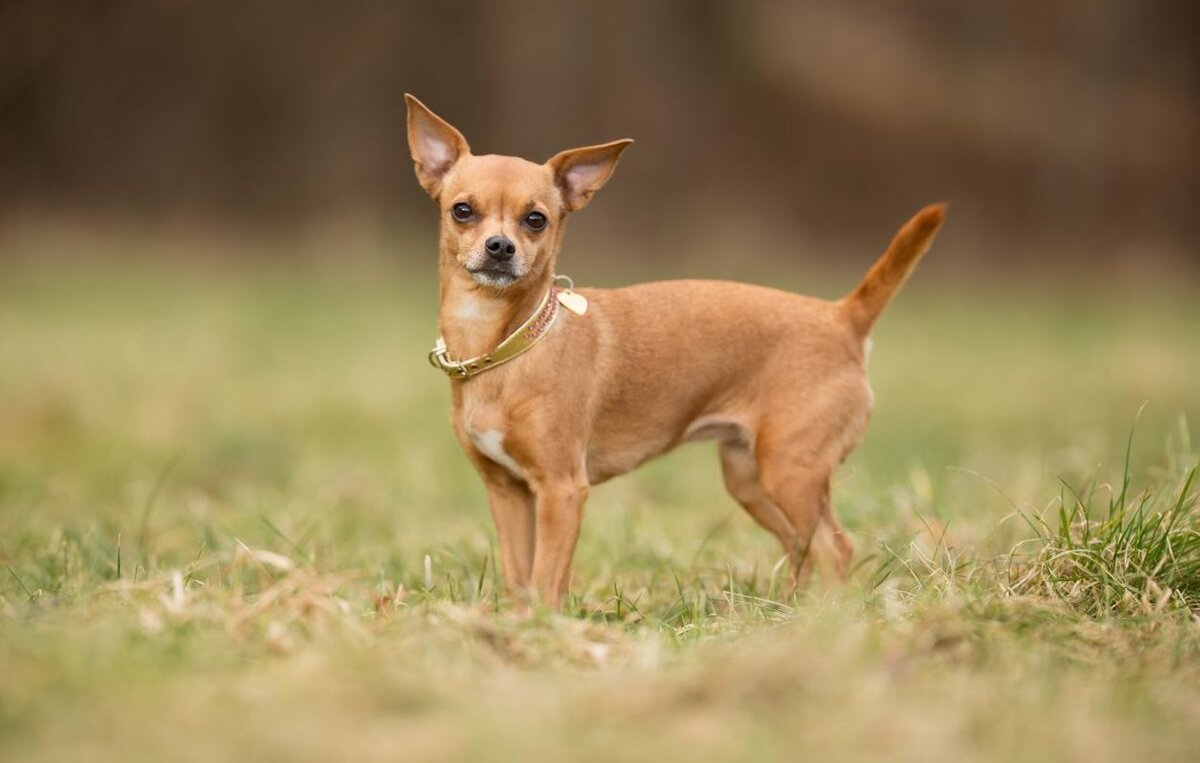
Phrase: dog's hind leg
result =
(740, 470)
(799, 485)
(820, 541)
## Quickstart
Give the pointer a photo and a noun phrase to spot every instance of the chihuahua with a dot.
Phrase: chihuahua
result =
(555, 390)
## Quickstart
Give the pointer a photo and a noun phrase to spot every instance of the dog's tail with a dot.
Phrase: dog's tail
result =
(863, 305)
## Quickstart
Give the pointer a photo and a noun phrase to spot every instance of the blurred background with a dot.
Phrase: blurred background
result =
(1065, 133)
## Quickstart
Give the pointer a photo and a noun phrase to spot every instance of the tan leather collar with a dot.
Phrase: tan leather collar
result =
(519, 341)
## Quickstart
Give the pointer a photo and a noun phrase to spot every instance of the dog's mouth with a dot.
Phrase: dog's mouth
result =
(493, 275)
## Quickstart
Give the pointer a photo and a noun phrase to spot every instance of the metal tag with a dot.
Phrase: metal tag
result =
(573, 301)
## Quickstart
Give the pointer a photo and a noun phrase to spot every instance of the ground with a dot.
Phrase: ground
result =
(234, 524)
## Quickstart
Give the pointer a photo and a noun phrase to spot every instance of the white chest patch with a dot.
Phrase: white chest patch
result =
(867, 345)
(491, 444)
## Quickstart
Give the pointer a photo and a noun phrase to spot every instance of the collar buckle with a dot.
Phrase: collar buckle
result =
(440, 359)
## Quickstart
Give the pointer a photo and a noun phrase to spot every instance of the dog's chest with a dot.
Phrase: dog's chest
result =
(490, 442)
(486, 428)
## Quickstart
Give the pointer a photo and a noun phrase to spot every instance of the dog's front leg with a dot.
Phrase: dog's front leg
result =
(559, 508)
(512, 506)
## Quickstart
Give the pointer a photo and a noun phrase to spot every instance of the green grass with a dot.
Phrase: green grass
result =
(234, 524)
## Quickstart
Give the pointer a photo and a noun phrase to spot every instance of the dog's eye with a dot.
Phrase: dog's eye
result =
(462, 211)
(535, 220)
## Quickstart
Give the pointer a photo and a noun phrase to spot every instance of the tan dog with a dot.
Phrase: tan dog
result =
(583, 394)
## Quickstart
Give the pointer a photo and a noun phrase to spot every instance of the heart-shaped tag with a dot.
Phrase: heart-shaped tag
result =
(573, 301)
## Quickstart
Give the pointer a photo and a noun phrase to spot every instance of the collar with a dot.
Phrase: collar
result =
(526, 336)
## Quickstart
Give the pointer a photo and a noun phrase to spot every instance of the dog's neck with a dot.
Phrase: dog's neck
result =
(473, 319)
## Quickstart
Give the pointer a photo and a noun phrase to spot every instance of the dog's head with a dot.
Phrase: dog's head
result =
(502, 217)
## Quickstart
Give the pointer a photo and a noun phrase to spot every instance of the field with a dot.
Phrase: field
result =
(234, 525)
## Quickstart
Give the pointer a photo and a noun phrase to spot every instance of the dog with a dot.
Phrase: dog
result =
(556, 389)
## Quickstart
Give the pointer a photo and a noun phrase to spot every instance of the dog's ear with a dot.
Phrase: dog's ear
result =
(580, 172)
(434, 143)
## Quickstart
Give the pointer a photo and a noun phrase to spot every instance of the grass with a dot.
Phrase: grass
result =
(1137, 558)
(234, 525)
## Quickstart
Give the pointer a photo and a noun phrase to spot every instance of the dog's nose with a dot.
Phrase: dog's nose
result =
(500, 248)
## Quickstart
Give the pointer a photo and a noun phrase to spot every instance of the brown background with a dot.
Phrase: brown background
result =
(1063, 131)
